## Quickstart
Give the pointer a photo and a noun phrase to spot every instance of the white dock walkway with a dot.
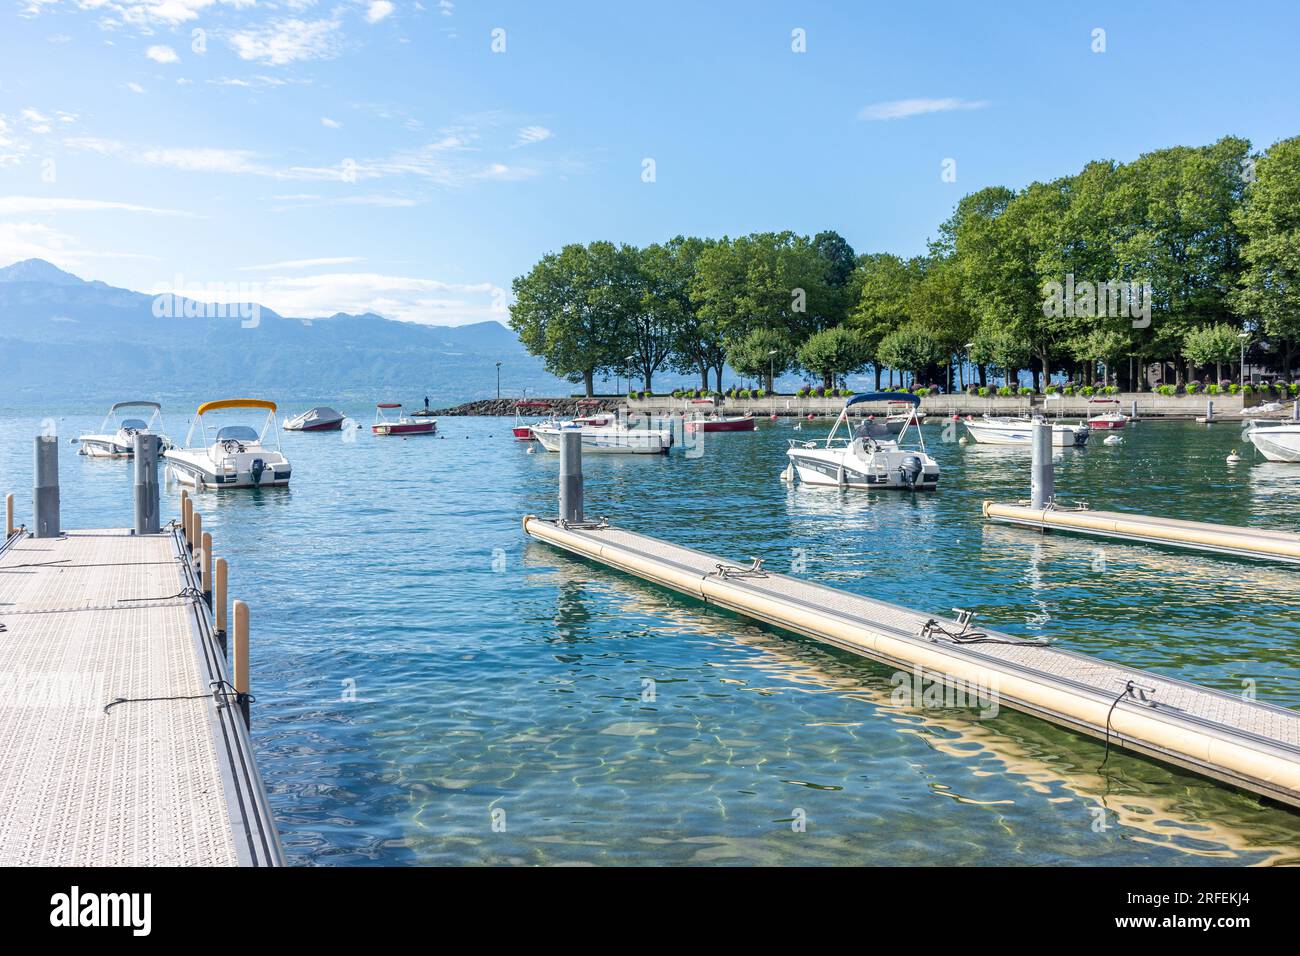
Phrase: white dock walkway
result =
(1246, 743)
(119, 745)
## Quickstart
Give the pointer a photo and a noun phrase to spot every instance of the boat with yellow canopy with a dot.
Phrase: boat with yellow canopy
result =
(225, 451)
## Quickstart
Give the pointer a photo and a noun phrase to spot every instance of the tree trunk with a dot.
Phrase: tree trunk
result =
(718, 371)
(704, 376)
(877, 368)
(984, 376)
(588, 382)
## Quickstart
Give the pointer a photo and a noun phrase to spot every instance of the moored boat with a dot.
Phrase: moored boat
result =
(116, 435)
(399, 424)
(322, 418)
(1276, 442)
(1020, 431)
(233, 455)
(523, 431)
(1107, 417)
(871, 456)
(603, 434)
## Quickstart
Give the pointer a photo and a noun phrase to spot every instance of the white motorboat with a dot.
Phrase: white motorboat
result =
(871, 456)
(322, 418)
(116, 436)
(897, 419)
(1019, 431)
(229, 455)
(604, 434)
(1276, 442)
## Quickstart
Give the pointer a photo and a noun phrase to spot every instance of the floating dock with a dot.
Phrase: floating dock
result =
(1258, 543)
(122, 741)
(1245, 743)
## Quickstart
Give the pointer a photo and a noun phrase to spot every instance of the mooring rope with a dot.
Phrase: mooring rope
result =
(755, 570)
(222, 691)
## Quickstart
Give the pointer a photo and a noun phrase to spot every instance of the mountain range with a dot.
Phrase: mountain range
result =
(62, 336)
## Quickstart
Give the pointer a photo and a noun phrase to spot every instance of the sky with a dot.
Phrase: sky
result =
(412, 158)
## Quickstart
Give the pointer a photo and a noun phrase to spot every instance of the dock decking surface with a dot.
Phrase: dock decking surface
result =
(1200, 725)
(164, 778)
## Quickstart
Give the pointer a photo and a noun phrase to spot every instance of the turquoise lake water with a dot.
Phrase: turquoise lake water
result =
(434, 688)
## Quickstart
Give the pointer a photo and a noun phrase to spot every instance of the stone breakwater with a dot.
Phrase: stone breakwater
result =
(563, 407)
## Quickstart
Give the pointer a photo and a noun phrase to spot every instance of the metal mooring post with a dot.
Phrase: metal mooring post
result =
(45, 490)
(571, 476)
(1209, 410)
(146, 484)
(1041, 489)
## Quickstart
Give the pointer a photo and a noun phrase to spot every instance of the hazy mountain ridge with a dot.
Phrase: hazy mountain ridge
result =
(67, 335)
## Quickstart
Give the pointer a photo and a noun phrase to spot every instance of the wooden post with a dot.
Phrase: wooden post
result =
(187, 508)
(196, 533)
(205, 574)
(9, 515)
(240, 664)
(219, 603)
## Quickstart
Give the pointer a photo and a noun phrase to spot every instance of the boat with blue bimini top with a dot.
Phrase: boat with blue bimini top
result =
(873, 455)
(230, 455)
(116, 436)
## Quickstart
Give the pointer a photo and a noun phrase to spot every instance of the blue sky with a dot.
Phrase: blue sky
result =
(380, 155)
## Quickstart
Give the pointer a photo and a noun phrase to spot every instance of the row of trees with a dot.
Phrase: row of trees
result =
(1165, 259)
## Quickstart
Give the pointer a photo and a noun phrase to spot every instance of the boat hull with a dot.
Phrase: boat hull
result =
(1106, 424)
(745, 424)
(600, 441)
(523, 432)
(1277, 444)
(199, 473)
(103, 448)
(405, 428)
(322, 427)
(986, 434)
(820, 467)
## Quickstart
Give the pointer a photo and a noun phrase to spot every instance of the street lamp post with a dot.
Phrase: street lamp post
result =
(628, 359)
(771, 371)
(1244, 336)
(498, 379)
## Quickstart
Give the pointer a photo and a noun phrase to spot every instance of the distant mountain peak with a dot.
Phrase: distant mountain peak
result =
(37, 270)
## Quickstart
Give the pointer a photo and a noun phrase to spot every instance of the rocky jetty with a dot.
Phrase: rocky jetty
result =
(563, 407)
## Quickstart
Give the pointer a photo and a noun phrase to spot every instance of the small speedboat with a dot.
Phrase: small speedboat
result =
(897, 419)
(1020, 431)
(116, 436)
(399, 424)
(230, 455)
(720, 423)
(322, 418)
(871, 456)
(1106, 417)
(523, 431)
(1276, 442)
(603, 434)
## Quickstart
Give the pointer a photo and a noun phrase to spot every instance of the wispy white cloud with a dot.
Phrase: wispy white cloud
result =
(302, 264)
(288, 41)
(532, 134)
(135, 87)
(203, 160)
(29, 205)
(902, 109)
(405, 298)
(162, 54)
(331, 123)
(378, 10)
(446, 7)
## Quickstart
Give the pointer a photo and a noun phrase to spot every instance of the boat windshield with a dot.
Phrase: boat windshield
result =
(872, 429)
(236, 433)
(137, 423)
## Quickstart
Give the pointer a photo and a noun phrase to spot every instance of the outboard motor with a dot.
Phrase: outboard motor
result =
(910, 470)
(259, 466)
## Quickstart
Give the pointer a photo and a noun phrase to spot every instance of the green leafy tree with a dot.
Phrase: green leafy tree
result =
(753, 356)
(566, 312)
(912, 348)
(1212, 345)
(884, 284)
(1269, 220)
(832, 353)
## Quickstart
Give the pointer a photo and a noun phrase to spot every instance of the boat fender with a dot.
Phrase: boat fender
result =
(840, 478)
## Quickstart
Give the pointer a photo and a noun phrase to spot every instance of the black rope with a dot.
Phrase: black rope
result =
(35, 564)
(1127, 691)
(188, 591)
(934, 631)
(222, 691)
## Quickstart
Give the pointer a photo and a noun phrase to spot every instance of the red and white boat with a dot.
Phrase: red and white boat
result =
(398, 423)
(522, 431)
(1107, 417)
(707, 419)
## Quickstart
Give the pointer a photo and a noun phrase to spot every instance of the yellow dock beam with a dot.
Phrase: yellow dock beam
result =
(1202, 536)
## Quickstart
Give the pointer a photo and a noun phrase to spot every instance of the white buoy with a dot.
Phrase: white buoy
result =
(1114, 440)
(531, 449)
(963, 440)
(1234, 457)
